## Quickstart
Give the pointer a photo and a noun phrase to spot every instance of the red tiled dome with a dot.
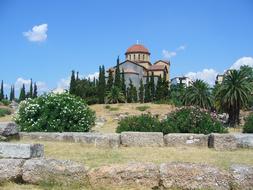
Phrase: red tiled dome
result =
(137, 48)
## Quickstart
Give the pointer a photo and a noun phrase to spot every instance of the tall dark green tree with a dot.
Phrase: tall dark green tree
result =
(35, 90)
(147, 93)
(159, 88)
(141, 92)
(2, 91)
(152, 86)
(123, 83)
(22, 95)
(131, 93)
(72, 86)
(31, 89)
(110, 80)
(165, 85)
(101, 85)
(117, 81)
(12, 93)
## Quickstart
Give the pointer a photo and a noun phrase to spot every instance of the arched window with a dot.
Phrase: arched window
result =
(134, 56)
(139, 57)
(143, 57)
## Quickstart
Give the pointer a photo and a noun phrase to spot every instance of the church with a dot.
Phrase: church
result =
(137, 66)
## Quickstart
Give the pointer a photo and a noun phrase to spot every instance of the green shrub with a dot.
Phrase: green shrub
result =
(142, 123)
(55, 113)
(113, 108)
(107, 107)
(4, 112)
(5, 102)
(142, 108)
(185, 120)
(248, 126)
(192, 120)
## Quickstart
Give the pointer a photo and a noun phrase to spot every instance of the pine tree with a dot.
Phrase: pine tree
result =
(101, 85)
(31, 89)
(123, 83)
(35, 91)
(2, 91)
(147, 96)
(72, 86)
(22, 95)
(141, 92)
(110, 80)
(117, 81)
(152, 86)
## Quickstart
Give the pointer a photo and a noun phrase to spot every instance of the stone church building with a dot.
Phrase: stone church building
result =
(137, 66)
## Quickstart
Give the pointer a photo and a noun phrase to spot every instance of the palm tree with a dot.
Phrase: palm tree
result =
(198, 95)
(234, 94)
(115, 95)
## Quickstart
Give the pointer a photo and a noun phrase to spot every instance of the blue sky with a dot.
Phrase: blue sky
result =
(200, 37)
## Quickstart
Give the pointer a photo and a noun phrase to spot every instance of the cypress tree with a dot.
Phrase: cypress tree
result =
(101, 85)
(31, 89)
(72, 86)
(165, 85)
(110, 80)
(141, 92)
(147, 89)
(35, 91)
(22, 93)
(159, 88)
(123, 81)
(6, 97)
(12, 95)
(152, 86)
(117, 81)
(131, 92)
(2, 91)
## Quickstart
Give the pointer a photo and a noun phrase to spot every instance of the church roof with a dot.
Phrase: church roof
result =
(137, 48)
(156, 67)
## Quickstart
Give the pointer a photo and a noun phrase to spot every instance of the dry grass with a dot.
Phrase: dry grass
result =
(94, 157)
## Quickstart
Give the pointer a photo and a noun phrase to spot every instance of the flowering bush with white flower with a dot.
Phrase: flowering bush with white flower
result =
(55, 113)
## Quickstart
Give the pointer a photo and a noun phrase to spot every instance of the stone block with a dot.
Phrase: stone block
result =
(193, 176)
(24, 151)
(98, 140)
(244, 140)
(127, 175)
(186, 139)
(51, 170)
(222, 141)
(8, 129)
(11, 170)
(143, 139)
(242, 176)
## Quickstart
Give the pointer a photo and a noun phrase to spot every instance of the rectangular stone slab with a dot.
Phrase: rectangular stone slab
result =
(143, 139)
(25, 151)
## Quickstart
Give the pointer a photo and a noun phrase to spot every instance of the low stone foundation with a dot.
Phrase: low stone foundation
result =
(148, 139)
(143, 175)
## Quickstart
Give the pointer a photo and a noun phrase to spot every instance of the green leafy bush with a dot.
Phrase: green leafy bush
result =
(192, 120)
(142, 123)
(55, 113)
(248, 126)
(142, 108)
(4, 112)
(185, 120)
(5, 102)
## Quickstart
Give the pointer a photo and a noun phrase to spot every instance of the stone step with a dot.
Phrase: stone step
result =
(25, 151)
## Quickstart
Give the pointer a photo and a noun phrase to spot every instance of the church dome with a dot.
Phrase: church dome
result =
(137, 48)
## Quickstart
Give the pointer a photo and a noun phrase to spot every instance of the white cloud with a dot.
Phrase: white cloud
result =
(242, 61)
(207, 75)
(42, 87)
(37, 34)
(169, 54)
(91, 76)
